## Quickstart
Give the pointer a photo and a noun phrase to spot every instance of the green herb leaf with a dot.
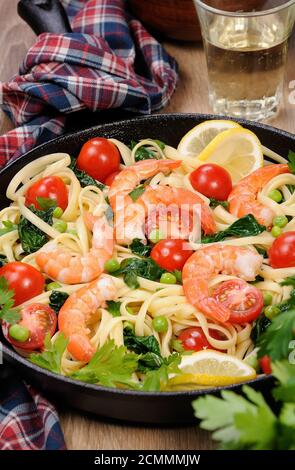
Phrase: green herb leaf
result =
(289, 281)
(141, 344)
(132, 267)
(177, 346)
(46, 203)
(284, 371)
(114, 308)
(245, 227)
(139, 248)
(110, 366)
(7, 226)
(145, 153)
(83, 178)
(260, 326)
(157, 379)
(276, 339)
(291, 158)
(31, 237)
(215, 203)
(50, 358)
(7, 311)
(3, 260)
(56, 300)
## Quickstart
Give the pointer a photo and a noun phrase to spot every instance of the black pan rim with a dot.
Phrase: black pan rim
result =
(14, 357)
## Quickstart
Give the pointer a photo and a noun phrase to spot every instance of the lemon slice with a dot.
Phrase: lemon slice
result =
(239, 151)
(194, 142)
(211, 368)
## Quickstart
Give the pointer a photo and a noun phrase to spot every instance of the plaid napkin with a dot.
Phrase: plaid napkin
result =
(27, 420)
(109, 61)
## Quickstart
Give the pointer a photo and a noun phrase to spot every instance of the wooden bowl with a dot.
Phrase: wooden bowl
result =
(176, 19)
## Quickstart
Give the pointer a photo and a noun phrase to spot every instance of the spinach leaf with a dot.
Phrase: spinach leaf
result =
(114, 308)
(262, 252)
(141, 344)
(133, 267)
(260, 326)
(57, 299)
(245, 227)
(291, 158)
(3, 260)
(215, 203)
(31, 237)
(144, 153)
(45, 203)
(83, 178)
(139, 248)
(7, 226)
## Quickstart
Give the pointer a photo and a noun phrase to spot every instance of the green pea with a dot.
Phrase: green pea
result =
(178, 275)
(156, 236)
(271, 312)
(130, 310)
(252, 361)
(19, 333)
(276, 195)
(160, 324)
(168, 278)
(276, 231)
(58, 212)
(267, 298)
(280, 221)
(53, 285)
(73, 232)
(60, 225)
(112, 265)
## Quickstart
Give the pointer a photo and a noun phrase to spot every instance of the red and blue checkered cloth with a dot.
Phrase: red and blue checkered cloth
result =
(109, 61)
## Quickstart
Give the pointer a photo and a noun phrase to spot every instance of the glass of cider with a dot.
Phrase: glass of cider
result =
(246, 45)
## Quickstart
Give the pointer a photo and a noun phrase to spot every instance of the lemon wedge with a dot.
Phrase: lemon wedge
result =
(210, 368)
(197, 139)
(239, 151)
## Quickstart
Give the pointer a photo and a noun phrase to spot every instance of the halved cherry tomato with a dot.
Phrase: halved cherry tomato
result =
(39, 319)
(25, 280)
(171, 254)
(51, 187)
(282, 251)
(212, 180)
(244, 301)
(194, 339)
(265, 365)
(99, 158)
(110, 179)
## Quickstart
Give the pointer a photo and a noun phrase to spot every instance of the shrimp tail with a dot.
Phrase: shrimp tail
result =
(80, 347)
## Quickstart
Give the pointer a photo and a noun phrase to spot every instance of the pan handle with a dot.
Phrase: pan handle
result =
(44, 16)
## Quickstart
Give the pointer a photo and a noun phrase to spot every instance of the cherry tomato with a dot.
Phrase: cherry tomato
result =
(194, 339)
(39, 319)
(212, 180)
(244, 301)
(99, 158)
(265, 365)
(51, 187)
(25, 280)
(171, 254)
(110, 179)
(282, 251)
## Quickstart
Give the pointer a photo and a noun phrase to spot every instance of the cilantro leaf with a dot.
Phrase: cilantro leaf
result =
(244, 227)
(110, 366)
(46, 203)
(7, 311)
(7, 226)
(139, 248)
(291, 158)
(285, 373)
(239, 422)
(51, 357)
(157, 379)
(83, 178)
(114, 308)
(276, 339)
(56, 300)
(215, 203)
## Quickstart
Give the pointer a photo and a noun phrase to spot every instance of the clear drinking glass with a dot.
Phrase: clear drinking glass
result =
(246, 45)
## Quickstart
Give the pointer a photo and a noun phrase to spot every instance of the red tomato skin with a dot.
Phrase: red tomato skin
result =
(37, 324)
(194, 339)
(232, 288)
(170, 254)
(99, 158)
(51, 187)
(265, 365)
(25, 280)
(110, 179)
(212, 180)
(282, 251)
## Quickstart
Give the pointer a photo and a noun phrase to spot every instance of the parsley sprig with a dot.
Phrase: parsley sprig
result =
(7, 310)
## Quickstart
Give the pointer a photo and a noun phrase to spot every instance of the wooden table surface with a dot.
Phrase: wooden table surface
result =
(84, 431)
